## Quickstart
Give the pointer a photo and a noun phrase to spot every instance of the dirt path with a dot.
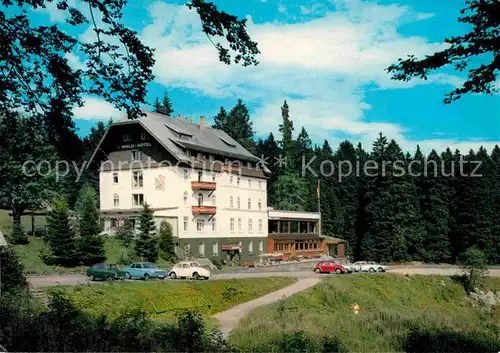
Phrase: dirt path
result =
(229, 319)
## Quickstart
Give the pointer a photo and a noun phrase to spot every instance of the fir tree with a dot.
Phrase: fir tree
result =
(146, 245)
(286, 129)
(60, 236)
(237, 124)
(125, 233)
(163, 106)
(434, 192)
(166, 242)
(11, 271)
(495, 188)
(91, 245)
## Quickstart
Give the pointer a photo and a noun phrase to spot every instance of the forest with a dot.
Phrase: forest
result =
(432, 215)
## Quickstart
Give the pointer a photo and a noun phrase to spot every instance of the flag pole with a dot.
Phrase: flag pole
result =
(318, 194)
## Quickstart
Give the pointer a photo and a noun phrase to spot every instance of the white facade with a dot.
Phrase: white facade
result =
(240, 201)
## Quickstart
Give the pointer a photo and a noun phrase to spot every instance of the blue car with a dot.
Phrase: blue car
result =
(144, 270)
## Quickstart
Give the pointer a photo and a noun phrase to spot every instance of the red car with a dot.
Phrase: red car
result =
(329, 267)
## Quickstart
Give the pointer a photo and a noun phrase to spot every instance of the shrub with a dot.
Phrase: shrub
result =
(18, 236)
(125, 233)
(126, 258)
(474, 267)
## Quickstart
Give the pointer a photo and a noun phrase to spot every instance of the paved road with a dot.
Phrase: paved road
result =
(229, 319)
(68, 280)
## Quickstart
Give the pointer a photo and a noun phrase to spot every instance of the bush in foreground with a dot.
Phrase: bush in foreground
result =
(63, 328)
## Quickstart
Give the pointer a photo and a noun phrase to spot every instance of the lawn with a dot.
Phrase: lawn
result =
(6, 222)
(30, 256)
(397, 314)
(163, 299)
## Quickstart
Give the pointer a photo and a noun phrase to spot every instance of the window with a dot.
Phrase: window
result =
(116, 200)
(231, 179)
(114, 222)
(215, 249)
(127, 138)
(201, 249)
(200, 224)
(115, 178)
(200, 199)
(238, 181)
(250, 225)
(186, 174)
(137, 179)
(136, 155)
(261, 246)
(239, 224)
(260, 225)
(187, 248)
(250, 247)
(185, 224)
(238, 203)
(249, 183)
(214, 225)
(213, 200)
(138, 199)
(211, 159)
(200, 176)
(144, 136)
(260, 184)
(231, 224)
(249, 165)
(213, 177)
(249, 204)
(185, 197)
(259, 204)
(231, 202)
(200, 156)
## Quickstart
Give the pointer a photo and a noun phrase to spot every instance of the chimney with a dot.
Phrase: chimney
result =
(202, 123)
(180, 117)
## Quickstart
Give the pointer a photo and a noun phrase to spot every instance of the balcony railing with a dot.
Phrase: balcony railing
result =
(204, 210)
(292, 235)
(203, 185)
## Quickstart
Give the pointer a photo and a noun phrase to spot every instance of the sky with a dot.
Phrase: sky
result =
(326, 58)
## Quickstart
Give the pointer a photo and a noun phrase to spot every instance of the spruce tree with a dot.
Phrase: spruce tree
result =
(495, 188)
(286, 129)
(11, 271)
(163, 106)
(125, 233)
(434, 192)
(268, 150)
(60, 235)
(91, 245)
(146, 245)
(166, 242)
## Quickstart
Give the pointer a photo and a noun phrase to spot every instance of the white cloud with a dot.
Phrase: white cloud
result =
(327, 62)
(96, 109)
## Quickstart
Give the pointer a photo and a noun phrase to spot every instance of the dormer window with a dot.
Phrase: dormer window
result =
(144, 136)
(127, 138)
(136, 155)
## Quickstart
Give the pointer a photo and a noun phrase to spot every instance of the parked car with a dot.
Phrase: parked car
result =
(144, 270)
(369, 266)
(349, 267)
(188, 269)
(105, 271)
(329, 267)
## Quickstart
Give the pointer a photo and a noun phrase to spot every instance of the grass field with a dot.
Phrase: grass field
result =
(6, 222)
(30, 256)
(397, 314)
(162, 299)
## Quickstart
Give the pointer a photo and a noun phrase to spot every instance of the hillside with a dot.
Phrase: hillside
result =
(397, 314)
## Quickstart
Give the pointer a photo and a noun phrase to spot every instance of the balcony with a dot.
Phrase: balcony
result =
(203, 185)
(210, 210)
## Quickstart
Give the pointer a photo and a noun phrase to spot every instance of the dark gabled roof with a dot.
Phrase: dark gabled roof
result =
(178, 134)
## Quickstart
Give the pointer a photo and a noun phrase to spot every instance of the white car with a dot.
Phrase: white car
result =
(187, 269)
(350, 268)
(369, 266)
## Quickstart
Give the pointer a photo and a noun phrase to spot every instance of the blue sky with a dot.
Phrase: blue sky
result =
(326, 58)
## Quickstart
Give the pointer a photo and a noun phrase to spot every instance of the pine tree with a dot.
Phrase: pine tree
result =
(125, 233)
(434, 192)
(166, 242)
(146, 245)
(60, 236)
(11, 271)
(286, 129)
(163, 106)
(90, 245)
